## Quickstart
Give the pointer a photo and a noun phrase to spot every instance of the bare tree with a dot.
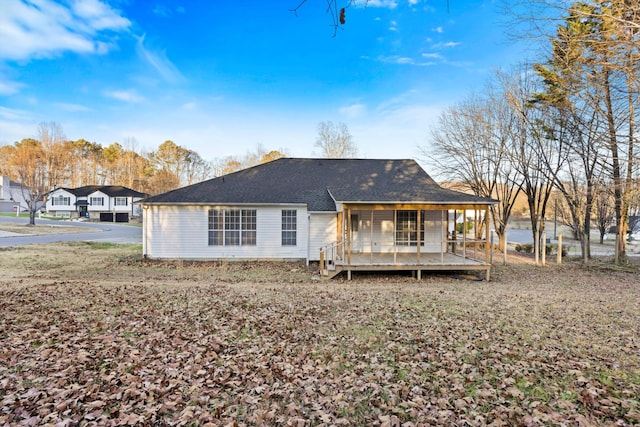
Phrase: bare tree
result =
(471, 145)
(335, 141)
(605, 214)
(534, 155)
(251, 158)
(593, 64)
(28, 165)
(52, 139)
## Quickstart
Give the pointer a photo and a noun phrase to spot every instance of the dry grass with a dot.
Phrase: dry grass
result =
(42, 229)
(92, 334)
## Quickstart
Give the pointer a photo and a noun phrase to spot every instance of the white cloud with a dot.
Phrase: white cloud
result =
(353, 111)
(73, 108)
(432, 55)
(124, 95)
(161, 10)
(445, 45)
(160, 62)
(413, 2)
(395, 59)
(164, 11)
(8, 87)
(390, 4)
(15, 125)
(99, 16)
(189, 106)
(13, 114)
(45, 28)
(438, 30)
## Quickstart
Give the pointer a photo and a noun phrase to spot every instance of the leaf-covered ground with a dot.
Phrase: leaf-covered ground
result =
(92, 335)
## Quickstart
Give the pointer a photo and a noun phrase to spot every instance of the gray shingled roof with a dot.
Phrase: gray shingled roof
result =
(109, 190)
(317, 182)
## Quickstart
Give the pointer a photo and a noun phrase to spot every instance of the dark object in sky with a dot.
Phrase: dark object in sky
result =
(342, 18)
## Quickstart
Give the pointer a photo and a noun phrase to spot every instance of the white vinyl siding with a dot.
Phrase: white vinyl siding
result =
(182, 232)
(322, 232)
(105, 206)
(381, 236)
(61, 202)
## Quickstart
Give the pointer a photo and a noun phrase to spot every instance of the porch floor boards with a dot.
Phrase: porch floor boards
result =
(409, 261)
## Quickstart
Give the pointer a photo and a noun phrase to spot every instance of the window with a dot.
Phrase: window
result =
(249, 226)
(216, 222)
(407, 228)
(97, 201)
(121, 201)
(289, 227)
(61, 201)
(232, 227)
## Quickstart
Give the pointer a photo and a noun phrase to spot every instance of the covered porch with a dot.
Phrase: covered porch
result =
(409, 237)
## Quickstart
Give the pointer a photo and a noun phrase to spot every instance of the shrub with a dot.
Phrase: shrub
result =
(459, 226)
(527, 248)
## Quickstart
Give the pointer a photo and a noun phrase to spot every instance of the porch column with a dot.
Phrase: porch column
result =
(395, 244)
(444, 234)
(349, 236)
(488, 248)
(419, 228)
(371, 238)
(464, 234)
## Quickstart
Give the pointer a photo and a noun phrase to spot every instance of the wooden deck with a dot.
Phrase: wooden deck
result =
(408, 262)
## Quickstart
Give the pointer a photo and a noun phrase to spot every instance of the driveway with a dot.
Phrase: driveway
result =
(96, 232)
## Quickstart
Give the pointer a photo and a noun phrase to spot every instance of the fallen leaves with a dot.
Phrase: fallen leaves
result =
(156, 343)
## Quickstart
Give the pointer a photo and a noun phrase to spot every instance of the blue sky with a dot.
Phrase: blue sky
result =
(221, 77)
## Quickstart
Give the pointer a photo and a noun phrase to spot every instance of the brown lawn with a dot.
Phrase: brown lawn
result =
(90, 334)
(42, 229)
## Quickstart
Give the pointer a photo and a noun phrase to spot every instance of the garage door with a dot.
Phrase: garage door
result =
(122, 217)
(106, 216)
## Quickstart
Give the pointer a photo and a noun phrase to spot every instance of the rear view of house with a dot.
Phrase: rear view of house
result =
(112, 203)
(349, 214)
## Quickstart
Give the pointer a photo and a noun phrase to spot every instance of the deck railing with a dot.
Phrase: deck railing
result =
(330, 256)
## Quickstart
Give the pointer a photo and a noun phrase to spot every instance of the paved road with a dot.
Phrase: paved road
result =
(96, 232)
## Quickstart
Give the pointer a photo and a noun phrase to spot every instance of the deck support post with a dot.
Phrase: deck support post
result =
(419, 274)
(559, 259)
(371, 236)
(348, 235)
(395, 244)
(419, 221)
(488, 254)
(349, 275)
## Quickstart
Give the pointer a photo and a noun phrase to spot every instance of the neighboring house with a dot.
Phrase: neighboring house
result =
(349, 214)
(11, 196)
(112, 203)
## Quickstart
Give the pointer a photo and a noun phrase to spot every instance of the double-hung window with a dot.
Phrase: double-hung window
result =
(289, 227)
(61, 201)
(407, 228)
(232, 227)
(97, 201)
(120, 201)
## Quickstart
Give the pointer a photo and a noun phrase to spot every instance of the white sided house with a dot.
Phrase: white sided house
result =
(112, 203)
(12, 196)
(348, 214)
